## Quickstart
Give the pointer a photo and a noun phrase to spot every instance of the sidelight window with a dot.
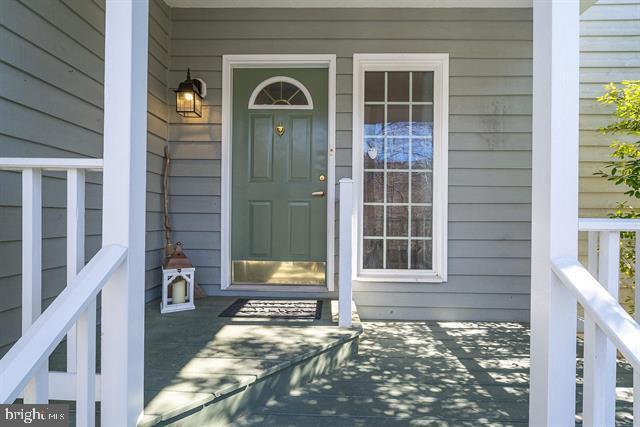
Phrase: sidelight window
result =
(400, 158)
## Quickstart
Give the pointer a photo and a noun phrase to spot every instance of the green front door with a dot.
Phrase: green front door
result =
(279, 163)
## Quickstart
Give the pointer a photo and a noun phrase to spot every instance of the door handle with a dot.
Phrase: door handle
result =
(318, 194)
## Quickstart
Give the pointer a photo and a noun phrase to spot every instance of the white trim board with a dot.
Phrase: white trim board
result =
(439, 64)
(325, 4)
(229, 63)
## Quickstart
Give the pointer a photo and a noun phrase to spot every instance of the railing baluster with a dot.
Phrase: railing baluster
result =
(595, 342)
(595, 349)
(592, 253)
(345, 294)
(75, 245)
(37, 390)
(636, 398)
(86, 367)
(609, 276)
(599, 404)
(636, 302)
(81, 339)
(636, 315)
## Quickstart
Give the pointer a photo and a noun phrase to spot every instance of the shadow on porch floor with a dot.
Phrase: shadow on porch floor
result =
(426, 373)
(201, 369)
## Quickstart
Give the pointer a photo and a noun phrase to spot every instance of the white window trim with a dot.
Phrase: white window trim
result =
(439, 64)
(277, 79)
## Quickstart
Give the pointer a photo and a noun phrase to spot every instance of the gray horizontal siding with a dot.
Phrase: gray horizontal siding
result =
(609, 52)
(52, 56)
(490, 139)
(51, 101)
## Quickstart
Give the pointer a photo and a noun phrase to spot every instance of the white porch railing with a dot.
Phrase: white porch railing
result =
(118, 268)
(76, 303)
(345, 293)
(614, 324)
(603, 253)
(24, 369)
(607, 326)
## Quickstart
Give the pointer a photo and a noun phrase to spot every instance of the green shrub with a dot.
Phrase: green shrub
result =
(624, 168)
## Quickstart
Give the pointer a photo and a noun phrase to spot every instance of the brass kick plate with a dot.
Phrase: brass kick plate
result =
(278, 272)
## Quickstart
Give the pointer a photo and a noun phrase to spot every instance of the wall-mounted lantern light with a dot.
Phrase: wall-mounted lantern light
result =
(189, 96)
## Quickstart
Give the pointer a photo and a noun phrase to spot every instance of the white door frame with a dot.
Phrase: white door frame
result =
(229, 63)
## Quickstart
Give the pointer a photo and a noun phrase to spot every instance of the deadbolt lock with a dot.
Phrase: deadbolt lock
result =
(322, 178)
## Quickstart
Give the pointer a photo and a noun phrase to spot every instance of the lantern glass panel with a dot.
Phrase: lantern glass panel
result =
(197, 105)
(189, 103)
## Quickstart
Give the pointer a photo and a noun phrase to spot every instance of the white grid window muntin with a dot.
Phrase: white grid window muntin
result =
(407, 236)
(407, 63)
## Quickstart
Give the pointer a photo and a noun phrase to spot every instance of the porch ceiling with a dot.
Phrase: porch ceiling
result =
(347, 4)
(584, 4)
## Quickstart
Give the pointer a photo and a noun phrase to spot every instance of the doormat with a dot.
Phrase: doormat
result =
(274, 309)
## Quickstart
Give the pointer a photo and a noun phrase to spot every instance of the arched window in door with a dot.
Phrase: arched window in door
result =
(281, 93)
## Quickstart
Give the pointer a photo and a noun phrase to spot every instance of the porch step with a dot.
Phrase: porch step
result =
(203, 370)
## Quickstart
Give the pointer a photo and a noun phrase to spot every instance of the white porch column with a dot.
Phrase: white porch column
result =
(554, 210)
(123, 220)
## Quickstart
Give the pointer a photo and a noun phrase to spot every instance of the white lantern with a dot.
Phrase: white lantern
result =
(178, 276)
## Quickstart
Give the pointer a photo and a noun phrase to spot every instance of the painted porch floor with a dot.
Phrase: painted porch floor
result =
(201, 369)
(425, 373)
(196, 359)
